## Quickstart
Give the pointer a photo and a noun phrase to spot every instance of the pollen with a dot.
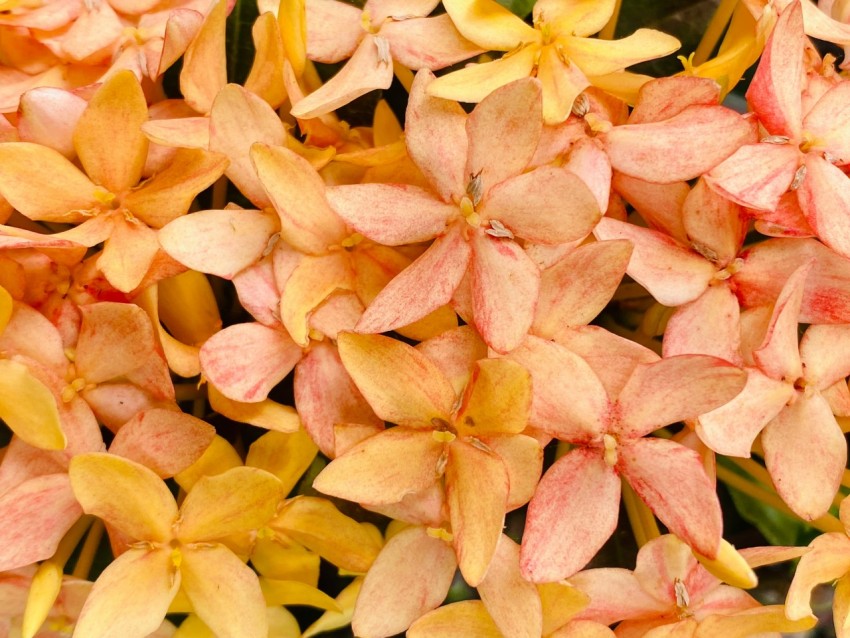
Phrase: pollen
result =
(440, 533)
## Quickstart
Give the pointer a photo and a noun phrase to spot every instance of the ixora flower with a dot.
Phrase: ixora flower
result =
(605, 409)
(170, 550)
(556, 50)
(479, 208)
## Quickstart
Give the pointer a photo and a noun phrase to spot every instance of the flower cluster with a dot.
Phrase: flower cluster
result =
(495, 322)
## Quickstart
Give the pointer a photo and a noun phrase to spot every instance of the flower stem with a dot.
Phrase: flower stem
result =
(610, 28)
(716, 27)
(87, 553)
(641, 518)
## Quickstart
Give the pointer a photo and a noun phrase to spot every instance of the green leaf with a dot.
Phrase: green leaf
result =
(240, 45)
(519, 7)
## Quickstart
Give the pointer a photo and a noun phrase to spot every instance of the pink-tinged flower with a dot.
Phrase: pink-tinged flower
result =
(604, 407)
(787, 399)
(383, 33)
(480, 205)
(806, 141)
(670, 594)
(449, 425)
(172, 550)
(556, 50)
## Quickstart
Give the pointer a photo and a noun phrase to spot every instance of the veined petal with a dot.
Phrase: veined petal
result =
(425, 285)
(62, 198)
(384, 468)
(805, 453)
(457, 620)
(732, 428)
(711, 324)
(716, 226)
(660, 205)
(125, 494)
(497, 400)
(235, 611)
(108, 137)
(511, 600)
(777, 86)
(662, 98)
(114, 606)
(643, 150)
(595, 56)
(502, 270)
(392, 214)
(401, 384)
(825, 198)
(548, 205)
(365, 71)
(333, 30)
(573, 512)
(219, 242)
(246, 361)
(828, 558)
(824, 123)
(29, 408)
(36, 513)
(475, 82)
(503, 132)
(671, 273)
(579, 17)
(489, 25)
(676, 389)
(427, 43)
(397, 590)
(239, 500)
(568, 401)
(297, 192)
(204, 71)
(169, 193)
(128, 254)
(477, 496)
(115, 338)
(823, 351)
(615, 594)
(435, 135)
(671, 480)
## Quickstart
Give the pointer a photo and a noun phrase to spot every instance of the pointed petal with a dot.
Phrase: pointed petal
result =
(751, 622)
(581, 17)
(126, 495)
(62, 198)
(239, 500)
(427, 43)
(488, 24)
(828, 558)
(114, 607)
(825, 197)
(548, 205)
(165, 441)
(36, 515)
(108, 136)
(642, 150)
(333, 30)
(824, 120)
(777, 85)
(711, 324)
(397, 590)
(384, 468)
(502, 270)
(401, 384)
(573, 512)
(477, 495)
(497, 400)
(440, 269)
(732, 428)
(128, 254)
(245, 361)
(716, 227)
(511, 600)
(503, 132)
(392, 214)
(595, 56)
(805, 453)
(676, 389)
(823, 351)
(562, 84)
(238, 120)
(456, 620)
(115, 339)
(671, 480)
(169, 194)
(769, 170)
(29, 408)
(204, 71)
(659, 204)
(671, 273)
(235, 611)
(266, 76)
(435, 135)
(47, 116)
(568, 400)
(365, 71)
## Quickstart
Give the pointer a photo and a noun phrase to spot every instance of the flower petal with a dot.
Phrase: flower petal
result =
(825, 197)
(427, 43)
(488, 24)
(595, 56)
(29, 408)
(769, 170)
(204, 71)
(128, 254)
(497, 400)
(115, 339)
(828, 558)
(456, 620)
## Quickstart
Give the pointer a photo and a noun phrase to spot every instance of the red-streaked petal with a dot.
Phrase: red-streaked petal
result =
(392, 214)
(477, 496)
(661, 99)
(115, 338)
(756, 175)
(502, 271)
(397, 590)
(615, 594)
(777, 86)
(401, 384)
(825, 199)
(643, 150)
(246, 361)
(711, 324)
(333, 30)
(427, 43)
(826, 123)
(659, 204)
(384, 468)
(573, 512)
(671, 480)
(716, 227)
(805, 453)
(824, 353)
